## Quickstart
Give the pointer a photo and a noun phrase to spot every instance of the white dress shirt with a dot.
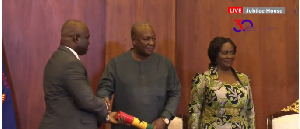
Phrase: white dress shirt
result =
(73, 52)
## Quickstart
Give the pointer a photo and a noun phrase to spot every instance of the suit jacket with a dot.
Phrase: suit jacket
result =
(70, 102)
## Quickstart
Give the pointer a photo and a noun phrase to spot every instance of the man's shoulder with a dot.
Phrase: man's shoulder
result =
(163, 58)
(59, 54)
(160, 55)
(122, 57)
(62, 58)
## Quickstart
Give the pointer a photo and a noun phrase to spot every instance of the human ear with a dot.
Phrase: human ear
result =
(76, 38)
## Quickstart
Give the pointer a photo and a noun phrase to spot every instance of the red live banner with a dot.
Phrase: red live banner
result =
(235, 9)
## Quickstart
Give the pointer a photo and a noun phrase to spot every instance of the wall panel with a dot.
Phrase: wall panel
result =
(269, 57)
(31, 33)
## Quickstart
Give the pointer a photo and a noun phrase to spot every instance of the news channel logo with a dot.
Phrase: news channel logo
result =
(249, 26)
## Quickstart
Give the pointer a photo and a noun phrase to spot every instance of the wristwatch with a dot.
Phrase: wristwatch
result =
(166, 120)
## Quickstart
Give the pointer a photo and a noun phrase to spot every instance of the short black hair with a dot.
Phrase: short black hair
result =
(215, 47)
(138, 25)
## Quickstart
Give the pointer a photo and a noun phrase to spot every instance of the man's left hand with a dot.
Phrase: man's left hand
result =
(159, 124)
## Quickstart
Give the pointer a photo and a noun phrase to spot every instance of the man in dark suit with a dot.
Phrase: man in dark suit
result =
(70, 102)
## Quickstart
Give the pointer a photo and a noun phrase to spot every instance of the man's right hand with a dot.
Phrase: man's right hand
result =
(113, 120)
(108, 104)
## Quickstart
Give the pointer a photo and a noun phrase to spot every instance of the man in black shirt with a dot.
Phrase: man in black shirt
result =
(145, 83)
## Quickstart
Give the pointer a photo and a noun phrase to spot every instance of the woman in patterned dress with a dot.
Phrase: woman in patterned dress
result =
(221, 97)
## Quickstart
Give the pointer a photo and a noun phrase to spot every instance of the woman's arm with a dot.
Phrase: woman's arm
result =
(250, 109)
(196, 99)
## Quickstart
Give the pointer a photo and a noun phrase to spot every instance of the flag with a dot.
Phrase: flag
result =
(8, 113)
(134, 121)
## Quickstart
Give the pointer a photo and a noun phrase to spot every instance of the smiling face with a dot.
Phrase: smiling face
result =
(226, 55)
(144, 41)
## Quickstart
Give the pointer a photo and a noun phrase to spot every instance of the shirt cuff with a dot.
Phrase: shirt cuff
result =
(106, 105)
(166, 114)
(103, 95)
(107, 118)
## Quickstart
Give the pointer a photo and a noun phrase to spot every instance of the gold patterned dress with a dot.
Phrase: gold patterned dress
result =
(218, 105)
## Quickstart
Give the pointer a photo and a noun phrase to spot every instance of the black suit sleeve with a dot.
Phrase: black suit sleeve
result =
(77, 84)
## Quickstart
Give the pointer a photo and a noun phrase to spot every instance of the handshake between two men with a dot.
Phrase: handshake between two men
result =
(123, 118)
(111, 117)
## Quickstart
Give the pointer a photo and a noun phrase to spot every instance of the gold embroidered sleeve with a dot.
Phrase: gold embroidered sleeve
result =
(294, 107)
(196, 99)
(250, 108)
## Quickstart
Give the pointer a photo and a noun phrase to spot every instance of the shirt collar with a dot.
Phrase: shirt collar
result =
(214, 75)
(213, 72)
(73, 52)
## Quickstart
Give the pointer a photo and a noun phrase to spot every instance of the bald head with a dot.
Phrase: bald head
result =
(72, 27)
(140, 26)
(75, 34)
